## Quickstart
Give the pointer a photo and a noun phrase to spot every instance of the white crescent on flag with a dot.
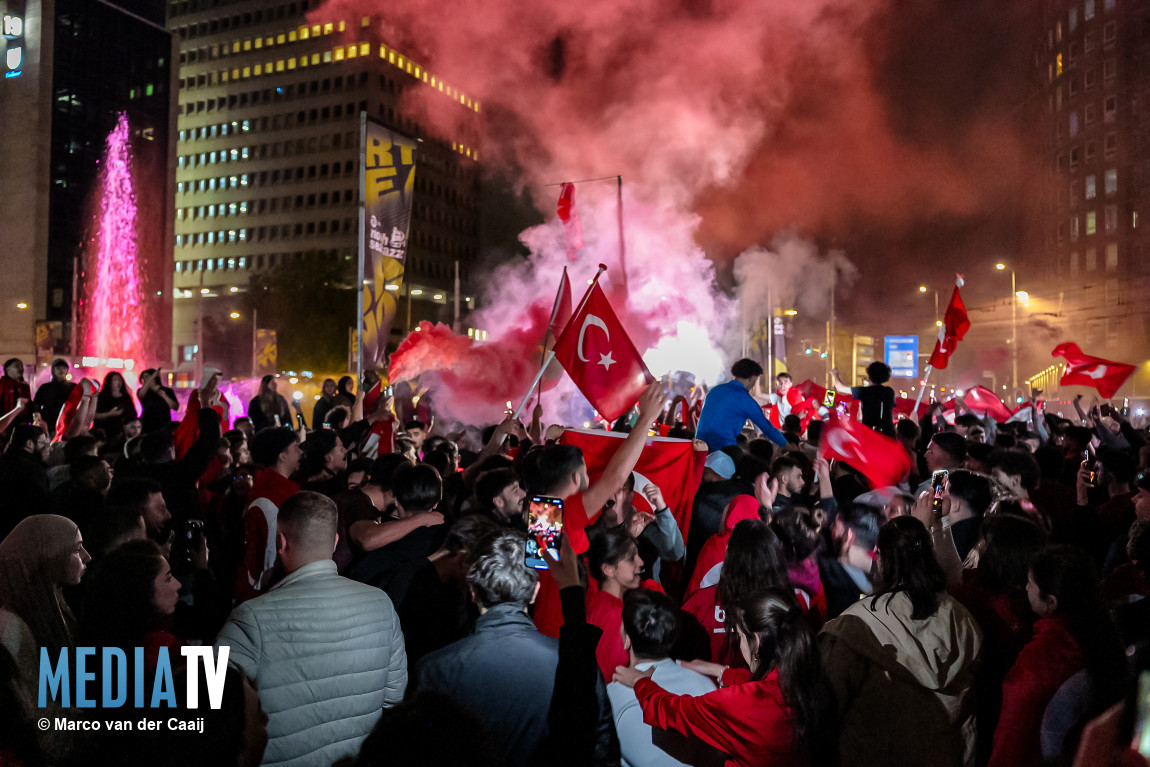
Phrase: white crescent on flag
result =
(839, 440)
(1096, 372)
(588, 321)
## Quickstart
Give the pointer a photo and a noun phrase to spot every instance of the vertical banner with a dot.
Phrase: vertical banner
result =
(388, 184)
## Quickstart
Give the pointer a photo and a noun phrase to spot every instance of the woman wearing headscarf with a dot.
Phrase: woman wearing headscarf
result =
(41, 555)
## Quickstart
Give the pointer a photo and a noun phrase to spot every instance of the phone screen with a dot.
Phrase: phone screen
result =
(1141, 742)
(937, 487)
(829, 399)
(544, 525)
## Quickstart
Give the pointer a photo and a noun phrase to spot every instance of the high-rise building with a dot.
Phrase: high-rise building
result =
(1088, 252)
(71, 69)
(270, 96)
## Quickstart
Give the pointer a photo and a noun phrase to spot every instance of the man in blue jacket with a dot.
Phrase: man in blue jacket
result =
(729, 406)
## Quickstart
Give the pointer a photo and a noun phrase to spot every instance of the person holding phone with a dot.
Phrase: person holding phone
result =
(559, 471)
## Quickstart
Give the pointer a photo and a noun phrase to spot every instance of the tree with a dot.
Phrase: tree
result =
(311, 303)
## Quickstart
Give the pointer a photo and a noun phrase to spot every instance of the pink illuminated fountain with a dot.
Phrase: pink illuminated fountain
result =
(111, 310)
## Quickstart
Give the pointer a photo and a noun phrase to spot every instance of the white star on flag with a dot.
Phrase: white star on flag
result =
(606, 361)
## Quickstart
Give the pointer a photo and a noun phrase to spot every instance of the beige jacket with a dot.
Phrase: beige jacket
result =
(904, 686)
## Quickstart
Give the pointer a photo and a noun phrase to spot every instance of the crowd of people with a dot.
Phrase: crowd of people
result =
(368, 577)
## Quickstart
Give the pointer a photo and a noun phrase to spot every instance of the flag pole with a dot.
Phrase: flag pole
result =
(622, 243)
(538, 376)
(551, 354)
(918, 399)
(551, 324)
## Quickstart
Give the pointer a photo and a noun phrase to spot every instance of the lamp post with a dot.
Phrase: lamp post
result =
(1013, 325)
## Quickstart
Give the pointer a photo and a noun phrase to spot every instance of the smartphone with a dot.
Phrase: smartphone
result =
(1141, 742)
(193, 533)
(937, 486)
(829, 399)
(388, 391)
(1092, 477)
(1125, 406)
(544, 526)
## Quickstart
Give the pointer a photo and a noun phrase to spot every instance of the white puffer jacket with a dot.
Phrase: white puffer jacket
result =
(327, 654)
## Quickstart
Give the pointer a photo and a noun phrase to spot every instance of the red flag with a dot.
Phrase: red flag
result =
(881, 459)
(673, 465)
(600, 358)
(572, 229)
(985, 402)
(1083, 370)
(955, 323)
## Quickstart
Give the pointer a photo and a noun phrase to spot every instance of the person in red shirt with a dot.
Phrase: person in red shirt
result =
(1073, 631)
(615, 564)
(778, 711)
(277, 449)
(754, 562)
(710, 560)
(559, 471)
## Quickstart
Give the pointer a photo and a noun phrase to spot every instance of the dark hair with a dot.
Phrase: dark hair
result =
(1068, 574)
(384, 467)
(979, 451)
(972, 488)
(651, 620)
(906, 429)
(82, 444)
(787, 461)
(105, 400)
(440, 460)
(878, 372)
(119, 600)
(609, 547)
(547, 468)
(1118, 463)
(342, 385)
(492, 483)
(786, 642)
(110, 526)
(132, 493)
(754, 561)
(967, 420)
(1009, 545)
(315, 449)
(268, 443)
(1079, 434)
(417, 488)
(864, 521)
(414, 424)
(468, 533)
(906, 563)
(337, 416)
(156, 446)
(1050, 460)
(761, 449)
(792, 423)
(746, 368)
(785, 375)
(1016, 463)
(952, 444)
(22, 434)
(798, 529)
(497, 574)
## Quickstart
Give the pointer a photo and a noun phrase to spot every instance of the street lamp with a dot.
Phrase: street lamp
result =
(1015, 296)
(924, 290)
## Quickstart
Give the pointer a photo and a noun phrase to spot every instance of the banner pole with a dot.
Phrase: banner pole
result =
(362, 252)
(538, 376)
(921, 389)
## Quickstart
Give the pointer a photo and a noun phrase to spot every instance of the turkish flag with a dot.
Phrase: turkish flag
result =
(881, 459)
(985, 402)
(572, 229)
(68, 409)
(561, 310)
(672, 465)
(955, 323)
(1083, 370)
(600, 358)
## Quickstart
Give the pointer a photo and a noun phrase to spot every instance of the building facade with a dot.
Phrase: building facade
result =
(267, 168)
(1087, 266)
(71, 69)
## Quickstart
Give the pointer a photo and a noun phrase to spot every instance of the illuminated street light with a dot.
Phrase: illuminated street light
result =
(1023, 296)
(234, 315)
(922, 288)
(790, 312)
(1000, 266)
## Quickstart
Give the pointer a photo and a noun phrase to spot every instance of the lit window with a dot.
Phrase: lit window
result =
(247, 72)
(281, 39)
(179, 241)
(342, 26)
(1107, 5)
(364, 49)
(1091, 223)
(259, 43)
(292, 36)
(328, 28)
(259, 69)
(1088, 10)
(315, 30)
(236, 47)
(1111, 181)
(247, 45)
(290, 64)
(1091, 187)
(280, 65)
(1058, 64)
